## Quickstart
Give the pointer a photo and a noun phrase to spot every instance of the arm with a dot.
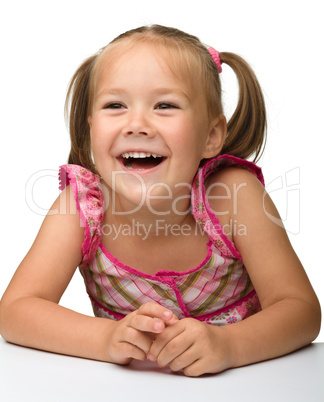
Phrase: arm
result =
(291, 313)
(29, 310)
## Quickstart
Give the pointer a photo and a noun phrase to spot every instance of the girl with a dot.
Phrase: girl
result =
(168, 222)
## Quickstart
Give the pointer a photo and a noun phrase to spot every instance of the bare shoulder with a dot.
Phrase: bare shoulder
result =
(61, 231)
(245, 200)
(229, 190)
(230, 178)
(272, 264)
(63, 221)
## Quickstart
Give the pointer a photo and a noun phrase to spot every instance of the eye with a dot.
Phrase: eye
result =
(165, 105)
(114, 105)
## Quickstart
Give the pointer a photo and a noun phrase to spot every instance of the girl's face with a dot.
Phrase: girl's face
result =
(149, 129)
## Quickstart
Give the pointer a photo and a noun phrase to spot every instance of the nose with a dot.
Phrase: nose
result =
(138, 123)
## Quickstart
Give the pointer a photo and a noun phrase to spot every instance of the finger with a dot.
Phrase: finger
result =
(195, 369)
(146, 324)
(168, 345)
(172, 350)
(155, 310)
(172, 321)
(139, 339)
(131, 351)
(184, 360)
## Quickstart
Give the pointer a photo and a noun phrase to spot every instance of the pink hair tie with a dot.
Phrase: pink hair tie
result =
(215, 55)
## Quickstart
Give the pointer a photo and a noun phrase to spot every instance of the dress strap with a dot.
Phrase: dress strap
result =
(88, 196)
(201, 209)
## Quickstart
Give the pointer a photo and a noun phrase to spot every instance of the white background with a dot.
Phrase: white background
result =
(42, 44)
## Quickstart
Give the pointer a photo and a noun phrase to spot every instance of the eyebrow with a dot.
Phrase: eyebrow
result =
(157, 91)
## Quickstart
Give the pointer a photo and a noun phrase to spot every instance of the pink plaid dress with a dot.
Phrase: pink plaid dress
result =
(218, 291)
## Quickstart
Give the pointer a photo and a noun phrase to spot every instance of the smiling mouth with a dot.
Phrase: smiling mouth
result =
(140, 160)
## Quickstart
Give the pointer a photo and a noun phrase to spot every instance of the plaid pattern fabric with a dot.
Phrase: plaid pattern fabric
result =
(116, 290)
(218, 291)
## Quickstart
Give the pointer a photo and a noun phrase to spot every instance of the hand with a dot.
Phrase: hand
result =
(193, 346)
(131, 337)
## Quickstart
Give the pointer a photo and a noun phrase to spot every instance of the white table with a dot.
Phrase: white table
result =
(31, 375)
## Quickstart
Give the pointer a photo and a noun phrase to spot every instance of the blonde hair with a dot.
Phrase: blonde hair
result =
(189, 59)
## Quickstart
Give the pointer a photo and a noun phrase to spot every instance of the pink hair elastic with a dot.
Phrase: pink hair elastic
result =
(215, 55)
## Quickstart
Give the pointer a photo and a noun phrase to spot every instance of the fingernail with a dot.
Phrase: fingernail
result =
(157, 326)
(167, 314)
(151, 358)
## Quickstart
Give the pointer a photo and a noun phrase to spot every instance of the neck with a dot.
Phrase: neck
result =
(150, 220)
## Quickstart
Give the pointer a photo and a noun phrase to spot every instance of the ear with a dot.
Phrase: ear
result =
(216, 137)
(90, 121)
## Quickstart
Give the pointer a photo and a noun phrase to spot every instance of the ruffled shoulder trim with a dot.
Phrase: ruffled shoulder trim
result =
(201, 209)
(88, 196)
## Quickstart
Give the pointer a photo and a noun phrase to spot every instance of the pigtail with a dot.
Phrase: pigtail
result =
(77, 111)
(247, 126)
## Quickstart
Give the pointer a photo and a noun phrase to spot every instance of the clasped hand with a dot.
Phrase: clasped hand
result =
(155, 333)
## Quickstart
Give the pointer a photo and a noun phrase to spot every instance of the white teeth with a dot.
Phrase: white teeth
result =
(139, 155)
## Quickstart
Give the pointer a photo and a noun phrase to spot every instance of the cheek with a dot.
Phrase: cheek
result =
(98, 147)
(98, 135)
